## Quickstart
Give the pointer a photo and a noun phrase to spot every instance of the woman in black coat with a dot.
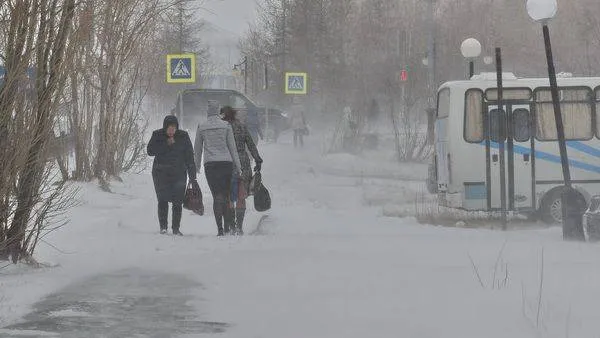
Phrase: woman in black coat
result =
(173, 159)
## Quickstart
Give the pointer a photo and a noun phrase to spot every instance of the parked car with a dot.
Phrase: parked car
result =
(192, 105)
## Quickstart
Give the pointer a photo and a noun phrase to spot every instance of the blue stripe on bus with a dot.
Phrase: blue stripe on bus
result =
(541, 155)
(584, 148)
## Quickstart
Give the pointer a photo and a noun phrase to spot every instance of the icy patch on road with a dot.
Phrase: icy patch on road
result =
(128, 303)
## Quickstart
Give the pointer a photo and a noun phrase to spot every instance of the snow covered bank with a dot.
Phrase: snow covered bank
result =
(325, 265)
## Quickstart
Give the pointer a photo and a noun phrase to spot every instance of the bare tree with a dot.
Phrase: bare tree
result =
(354, 50)
(117, 68)
(179, 30)
(36, 33)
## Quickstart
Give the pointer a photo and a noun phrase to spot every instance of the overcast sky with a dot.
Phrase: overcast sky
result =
(231, 15)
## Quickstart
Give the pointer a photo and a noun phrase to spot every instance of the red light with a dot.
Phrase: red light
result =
(404, 75)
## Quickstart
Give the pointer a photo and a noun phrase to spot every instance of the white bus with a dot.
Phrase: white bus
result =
(471, 130)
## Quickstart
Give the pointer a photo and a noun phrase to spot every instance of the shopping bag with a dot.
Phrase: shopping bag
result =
(193, 199)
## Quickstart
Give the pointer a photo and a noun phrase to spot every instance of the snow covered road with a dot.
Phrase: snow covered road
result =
(321, 265)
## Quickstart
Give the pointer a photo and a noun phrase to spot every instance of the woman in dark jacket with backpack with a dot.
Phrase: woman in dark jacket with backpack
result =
(243, 141)
(173, 163)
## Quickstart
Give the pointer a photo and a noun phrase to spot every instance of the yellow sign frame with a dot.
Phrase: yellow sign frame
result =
(290, 91)
(192, 58)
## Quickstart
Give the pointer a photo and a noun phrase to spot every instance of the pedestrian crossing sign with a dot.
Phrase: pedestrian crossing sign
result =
(181, 68)
(296, 83)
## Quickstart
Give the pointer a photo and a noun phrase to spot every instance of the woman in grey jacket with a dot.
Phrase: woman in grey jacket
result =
(215, 140)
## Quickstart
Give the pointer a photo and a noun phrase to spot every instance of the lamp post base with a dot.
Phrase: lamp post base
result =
(573, 208)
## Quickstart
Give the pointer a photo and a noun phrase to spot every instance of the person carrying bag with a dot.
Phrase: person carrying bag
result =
(215, 144)
(239, 187)
(173, 161)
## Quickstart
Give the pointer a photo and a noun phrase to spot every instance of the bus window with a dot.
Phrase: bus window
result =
(518, 94)
(497, 125)
(473, 116)
(443, 110)
(521, 127)
(576, 107)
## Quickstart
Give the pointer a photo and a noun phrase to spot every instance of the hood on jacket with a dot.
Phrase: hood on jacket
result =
(213, 108)
(169, 121)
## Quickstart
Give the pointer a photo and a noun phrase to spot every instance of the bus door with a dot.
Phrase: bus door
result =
(511, 132)
(495, 142)
(520, 158)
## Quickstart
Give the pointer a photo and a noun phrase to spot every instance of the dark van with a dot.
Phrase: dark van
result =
(192, 105)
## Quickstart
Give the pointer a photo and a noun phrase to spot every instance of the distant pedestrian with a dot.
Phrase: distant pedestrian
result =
(215, 140)
(298, 124)
(173, 158)
(244, 143)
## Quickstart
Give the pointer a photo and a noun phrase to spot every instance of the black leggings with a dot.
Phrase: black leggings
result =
(163, 214)
(218, 175)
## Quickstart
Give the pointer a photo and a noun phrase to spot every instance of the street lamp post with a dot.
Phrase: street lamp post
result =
(471, 49)
(543, 11)
(431, 66)
(245, 64)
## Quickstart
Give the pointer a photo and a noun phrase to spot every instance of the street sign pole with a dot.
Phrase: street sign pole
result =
(501, 144)
(572, 213)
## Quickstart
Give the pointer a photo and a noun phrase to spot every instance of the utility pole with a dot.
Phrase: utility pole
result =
(283, 38)
(245, 74)
(431, 71)
(252, 82)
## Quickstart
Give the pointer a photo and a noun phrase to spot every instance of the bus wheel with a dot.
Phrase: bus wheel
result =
(551, 208)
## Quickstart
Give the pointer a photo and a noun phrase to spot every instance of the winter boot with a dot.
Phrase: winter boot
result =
(177, 210)
(219, 209)
(229, 221)
(239, 221)
(163, 214)
(219, 221)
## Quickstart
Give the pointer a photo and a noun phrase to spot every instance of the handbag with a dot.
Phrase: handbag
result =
(193, 199)
(262, 197)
